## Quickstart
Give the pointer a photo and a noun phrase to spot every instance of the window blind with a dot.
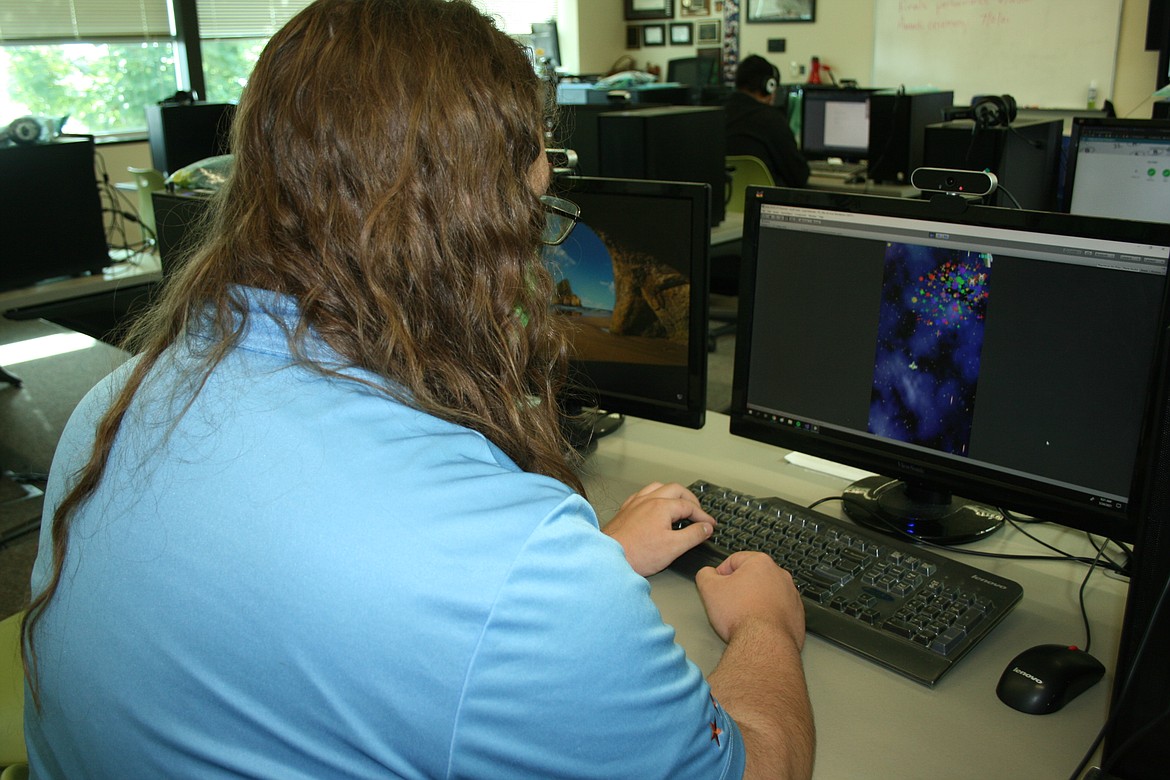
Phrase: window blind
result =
(262, 18)
(56, 20)
(244, 18)
(61, 20)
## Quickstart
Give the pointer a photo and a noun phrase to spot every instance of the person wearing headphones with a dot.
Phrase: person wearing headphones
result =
(755, 127)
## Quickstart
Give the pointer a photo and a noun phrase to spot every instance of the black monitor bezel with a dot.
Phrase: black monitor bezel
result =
(1019, 495)
(692, 413)
(829, 95)
(1076, 133)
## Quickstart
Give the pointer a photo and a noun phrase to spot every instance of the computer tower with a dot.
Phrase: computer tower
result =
(181, 134)
(576, 128)
(897, 124)
(1024, 156)
(669, 143)
(50, 212)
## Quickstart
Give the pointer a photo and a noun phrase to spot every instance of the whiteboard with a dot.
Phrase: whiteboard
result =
(1041, 52)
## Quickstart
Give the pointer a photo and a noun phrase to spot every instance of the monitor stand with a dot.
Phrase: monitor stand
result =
(908, 509)
(583, 427)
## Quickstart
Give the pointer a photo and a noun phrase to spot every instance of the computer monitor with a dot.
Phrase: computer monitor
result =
(1000, 355)
(1119, 168)
(835, 123)
(632, 280)
(694, 71)
(52, 222)
(702, 77)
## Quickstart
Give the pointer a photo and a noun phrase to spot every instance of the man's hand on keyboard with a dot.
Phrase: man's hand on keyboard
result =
(657, 524)
(747, 587)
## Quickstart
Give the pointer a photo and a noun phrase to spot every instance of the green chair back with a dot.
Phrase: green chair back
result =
(745, 170)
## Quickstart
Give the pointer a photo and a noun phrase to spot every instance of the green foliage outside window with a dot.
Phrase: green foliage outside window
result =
(104, 87)
(226, 65)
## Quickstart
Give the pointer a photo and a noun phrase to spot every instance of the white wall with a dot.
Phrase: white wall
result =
(842, 36)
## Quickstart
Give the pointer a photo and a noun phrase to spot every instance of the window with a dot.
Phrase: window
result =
(101, 62)
(233, 33)
(516, 16)
(96, 62)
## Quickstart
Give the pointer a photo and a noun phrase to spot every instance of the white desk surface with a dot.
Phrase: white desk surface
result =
(138, 269)
(873, 723)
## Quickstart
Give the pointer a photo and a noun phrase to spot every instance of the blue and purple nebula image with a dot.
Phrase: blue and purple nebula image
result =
(930, 342)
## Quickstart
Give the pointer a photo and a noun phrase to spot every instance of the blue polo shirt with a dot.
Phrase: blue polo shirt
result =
(301, 578)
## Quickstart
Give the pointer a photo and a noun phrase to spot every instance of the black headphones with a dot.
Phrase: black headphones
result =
(994, 110)
(988, 111)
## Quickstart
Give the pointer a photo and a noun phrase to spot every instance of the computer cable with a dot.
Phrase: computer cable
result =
(1010, 197)
(1018, 523)
(1081, 600)
(120, 208)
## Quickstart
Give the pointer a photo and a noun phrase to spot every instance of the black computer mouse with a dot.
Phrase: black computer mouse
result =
(1044, 678)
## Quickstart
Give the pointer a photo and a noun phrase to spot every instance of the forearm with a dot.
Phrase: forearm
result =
(760, 682)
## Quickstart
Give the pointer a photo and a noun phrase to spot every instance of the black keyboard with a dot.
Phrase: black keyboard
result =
(889, 601)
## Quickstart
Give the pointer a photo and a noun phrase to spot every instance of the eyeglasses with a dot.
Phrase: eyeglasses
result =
(560, 216)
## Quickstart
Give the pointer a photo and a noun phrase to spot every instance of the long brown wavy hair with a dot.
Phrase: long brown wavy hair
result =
(383, 151)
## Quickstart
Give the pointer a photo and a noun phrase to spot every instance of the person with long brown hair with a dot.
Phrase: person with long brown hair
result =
(324, 522)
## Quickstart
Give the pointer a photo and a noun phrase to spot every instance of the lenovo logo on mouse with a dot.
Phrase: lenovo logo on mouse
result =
(1031, 677)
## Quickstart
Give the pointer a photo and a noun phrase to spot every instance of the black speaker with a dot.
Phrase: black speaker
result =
(1137, 739)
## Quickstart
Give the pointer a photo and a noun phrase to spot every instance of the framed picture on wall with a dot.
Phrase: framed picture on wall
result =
(649, 9)
(680, 33)
(633, 36)
(654, 35)
(781, 10)
(694, 8)
(707, 33)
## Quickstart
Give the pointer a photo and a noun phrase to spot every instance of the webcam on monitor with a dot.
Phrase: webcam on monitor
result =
(954, 181)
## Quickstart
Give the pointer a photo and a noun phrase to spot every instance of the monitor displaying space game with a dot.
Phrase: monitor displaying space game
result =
(1005, 356)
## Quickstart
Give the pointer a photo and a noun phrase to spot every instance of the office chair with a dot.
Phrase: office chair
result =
(743, 170)
(13, 755)
(147, 180)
